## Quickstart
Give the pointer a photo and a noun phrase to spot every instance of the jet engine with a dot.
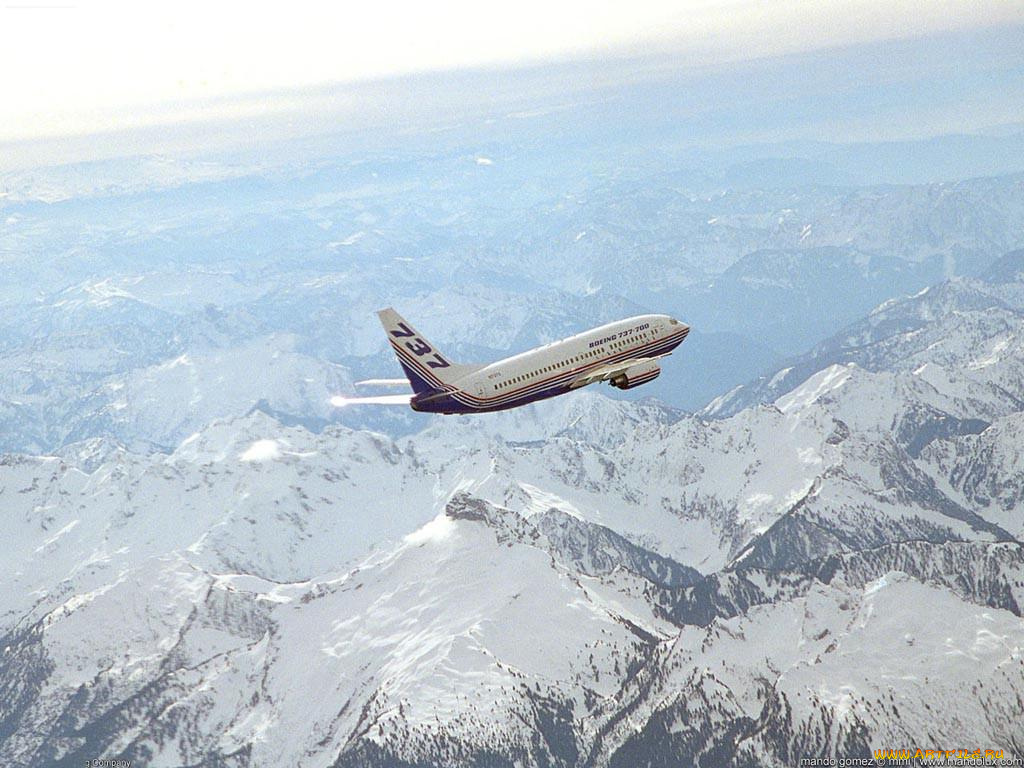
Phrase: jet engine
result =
(636, 375)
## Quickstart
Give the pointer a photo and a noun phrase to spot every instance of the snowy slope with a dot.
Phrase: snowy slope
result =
(985, 471)
(477, 638)
(405, 648)
(961, 336)
(806, 677)
(248, 495)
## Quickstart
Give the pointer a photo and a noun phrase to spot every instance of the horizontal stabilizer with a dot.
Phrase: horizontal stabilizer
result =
(343, 401)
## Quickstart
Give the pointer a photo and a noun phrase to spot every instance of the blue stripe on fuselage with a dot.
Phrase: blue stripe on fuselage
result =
(419, 385)
(456, 402)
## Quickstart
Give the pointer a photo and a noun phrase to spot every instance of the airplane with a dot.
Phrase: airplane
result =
(625, 353)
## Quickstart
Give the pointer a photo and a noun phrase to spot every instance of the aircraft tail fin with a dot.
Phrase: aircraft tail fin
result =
(426, 368)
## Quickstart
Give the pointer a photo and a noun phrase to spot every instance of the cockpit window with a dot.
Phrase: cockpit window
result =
(673, 321)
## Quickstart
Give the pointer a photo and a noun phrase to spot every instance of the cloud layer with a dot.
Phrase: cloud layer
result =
(87, 67)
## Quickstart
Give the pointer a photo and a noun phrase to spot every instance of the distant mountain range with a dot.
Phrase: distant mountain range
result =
(126, 307)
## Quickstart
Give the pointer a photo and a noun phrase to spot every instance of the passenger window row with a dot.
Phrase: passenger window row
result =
(577, 359)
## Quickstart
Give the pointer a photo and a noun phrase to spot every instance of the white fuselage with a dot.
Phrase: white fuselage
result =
(563, 365)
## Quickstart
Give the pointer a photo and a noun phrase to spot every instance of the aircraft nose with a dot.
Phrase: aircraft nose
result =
(675, 325)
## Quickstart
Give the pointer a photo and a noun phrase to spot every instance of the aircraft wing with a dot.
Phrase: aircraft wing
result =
(609, 372)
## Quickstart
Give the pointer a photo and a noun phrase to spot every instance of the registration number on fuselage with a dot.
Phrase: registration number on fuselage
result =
(620, 335)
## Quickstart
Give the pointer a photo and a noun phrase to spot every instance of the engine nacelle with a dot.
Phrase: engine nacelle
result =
(636, 375)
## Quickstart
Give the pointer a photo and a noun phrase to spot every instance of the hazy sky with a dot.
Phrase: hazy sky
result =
(83, 66)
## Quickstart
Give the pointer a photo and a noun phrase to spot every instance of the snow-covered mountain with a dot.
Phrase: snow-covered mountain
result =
(586, 582)
(480, 639)
(963, 335)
